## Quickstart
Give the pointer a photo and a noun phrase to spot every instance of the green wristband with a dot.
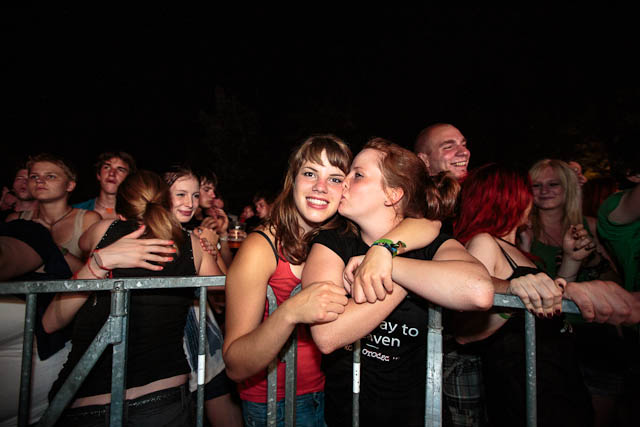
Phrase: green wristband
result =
(391, 247)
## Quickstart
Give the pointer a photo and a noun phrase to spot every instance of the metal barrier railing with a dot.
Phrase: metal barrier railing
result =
(115, 331)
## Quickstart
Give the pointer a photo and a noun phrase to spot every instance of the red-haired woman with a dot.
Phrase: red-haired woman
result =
(494, 202)
(385, 185)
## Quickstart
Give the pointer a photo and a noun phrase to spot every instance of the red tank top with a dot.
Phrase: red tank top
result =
(310, 377)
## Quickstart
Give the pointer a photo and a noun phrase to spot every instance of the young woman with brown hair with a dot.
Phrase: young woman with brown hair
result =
(387, 184)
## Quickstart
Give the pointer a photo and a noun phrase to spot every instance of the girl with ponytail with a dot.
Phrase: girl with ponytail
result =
(147, 240)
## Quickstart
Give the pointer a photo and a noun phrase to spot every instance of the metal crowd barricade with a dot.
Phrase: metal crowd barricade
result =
(433, 392)
(289, 355)
(114, 331)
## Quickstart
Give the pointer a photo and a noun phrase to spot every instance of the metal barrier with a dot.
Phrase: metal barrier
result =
(115, 331)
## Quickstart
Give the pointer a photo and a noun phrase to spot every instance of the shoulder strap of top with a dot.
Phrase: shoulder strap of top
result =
(275, 252)
(509, 259)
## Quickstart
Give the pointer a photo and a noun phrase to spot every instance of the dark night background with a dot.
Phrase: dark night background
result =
(235, 88)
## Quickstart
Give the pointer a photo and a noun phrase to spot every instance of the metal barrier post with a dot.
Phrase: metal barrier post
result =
(355, 411)
(272, 371)
(433, 393)
(530, 360)
(119, 334)
(202, 345)
(77, 376)
(27, 356)
(291, 373)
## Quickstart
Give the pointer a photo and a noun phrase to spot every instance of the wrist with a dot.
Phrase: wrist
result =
(390, 245)
(288, 312)
(94, 269)
(98, 260)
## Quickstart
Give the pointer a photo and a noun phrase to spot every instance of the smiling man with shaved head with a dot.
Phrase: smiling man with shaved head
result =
(442, 147)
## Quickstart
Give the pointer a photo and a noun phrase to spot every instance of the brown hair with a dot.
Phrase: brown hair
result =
(283, 222)
(449, 189)
(63, 164)
(176, 172)
(144, 197)
(403, 169)
(122, 155)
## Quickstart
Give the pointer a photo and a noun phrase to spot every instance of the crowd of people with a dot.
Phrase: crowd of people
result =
(354, 248)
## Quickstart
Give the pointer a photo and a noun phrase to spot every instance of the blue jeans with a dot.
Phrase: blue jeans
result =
(309, 411)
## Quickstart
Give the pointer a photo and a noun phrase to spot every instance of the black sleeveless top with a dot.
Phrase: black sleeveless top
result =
(518, 270)
(562, 397)
(156, 324)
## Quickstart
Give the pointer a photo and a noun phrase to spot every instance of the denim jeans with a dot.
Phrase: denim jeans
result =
(170, 407)
(309, 411)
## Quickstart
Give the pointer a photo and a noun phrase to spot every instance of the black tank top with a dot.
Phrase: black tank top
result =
(156, 324)
(518, 270)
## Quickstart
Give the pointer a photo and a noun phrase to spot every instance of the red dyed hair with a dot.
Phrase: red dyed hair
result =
(493, 200)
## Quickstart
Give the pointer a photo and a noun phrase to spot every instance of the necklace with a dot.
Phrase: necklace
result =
(107, 209)
(51, 224)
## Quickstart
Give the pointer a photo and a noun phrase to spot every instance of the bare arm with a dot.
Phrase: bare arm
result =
(323, 265)
(453, 279)
(127, 252)
(16, 258)
(206, 263)
(628, 209)
(251, 343)
(538, 292)
(605, 302)
(373, 272)
(415, 233)
(75, 263)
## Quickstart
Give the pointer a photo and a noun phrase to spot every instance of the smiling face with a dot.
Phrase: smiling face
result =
(364, 192)
(21, 185)
(446, 150)
(185, 196)
(548, 192)
(111, 174)
(48, 182)
(316, 192)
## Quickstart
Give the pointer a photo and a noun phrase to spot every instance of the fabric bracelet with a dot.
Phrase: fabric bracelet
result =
(390, 245)
(91, 270)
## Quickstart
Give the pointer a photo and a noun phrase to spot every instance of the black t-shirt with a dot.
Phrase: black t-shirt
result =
(55, 268)
(156, 325)
(393, 359)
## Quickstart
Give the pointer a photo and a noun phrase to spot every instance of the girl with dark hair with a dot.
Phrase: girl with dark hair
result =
(385, 185)
(274, 255)
(494, 202)
(157, 370)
